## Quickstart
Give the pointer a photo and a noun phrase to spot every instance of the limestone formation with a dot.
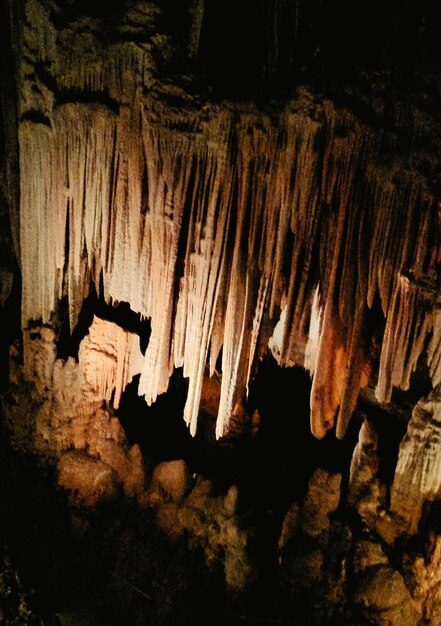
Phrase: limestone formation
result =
(189, 214)
(243, 181)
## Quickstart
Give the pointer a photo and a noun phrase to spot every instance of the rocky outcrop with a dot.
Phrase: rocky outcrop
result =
(16, 601)
(69, 417)
(307, 224)
(314, 550)
(380, 590)
(423, 576)
(364, 568)
(417, 481)
(208, 521)
(86, 479)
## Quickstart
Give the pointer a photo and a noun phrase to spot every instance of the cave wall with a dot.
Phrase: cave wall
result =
(251, 186)
(212, 219)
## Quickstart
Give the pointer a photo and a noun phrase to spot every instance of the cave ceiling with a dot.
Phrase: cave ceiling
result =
(246, 176)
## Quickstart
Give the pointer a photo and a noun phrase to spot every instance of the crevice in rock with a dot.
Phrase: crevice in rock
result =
(36, 117)
(120, 314)
(159, 429)
(84, 96)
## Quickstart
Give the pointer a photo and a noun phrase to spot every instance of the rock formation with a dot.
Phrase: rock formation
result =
(198, 187)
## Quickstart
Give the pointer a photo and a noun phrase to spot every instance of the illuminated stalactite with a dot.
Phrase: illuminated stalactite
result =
(211, 220)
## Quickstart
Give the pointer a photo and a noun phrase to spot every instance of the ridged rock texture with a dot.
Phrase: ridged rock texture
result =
(223, 174)
(212, 220)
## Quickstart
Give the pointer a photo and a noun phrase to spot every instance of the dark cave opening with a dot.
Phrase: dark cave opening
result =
(10, 319)
(260, 50)
(267, 459)
(159, 429)
(270, 460)
(119, 313)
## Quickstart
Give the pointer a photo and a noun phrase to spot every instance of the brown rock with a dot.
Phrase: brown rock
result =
(382, 591)
(171, 482)
(89, 481)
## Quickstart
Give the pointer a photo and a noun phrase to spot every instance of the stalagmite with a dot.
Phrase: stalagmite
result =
(434, 350)
(417, 480)
(110, 357)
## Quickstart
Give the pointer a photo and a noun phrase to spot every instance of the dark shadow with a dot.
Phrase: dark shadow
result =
(120, 314)
(159, 429)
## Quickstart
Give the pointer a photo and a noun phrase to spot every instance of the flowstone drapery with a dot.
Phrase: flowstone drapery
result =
(212, 220)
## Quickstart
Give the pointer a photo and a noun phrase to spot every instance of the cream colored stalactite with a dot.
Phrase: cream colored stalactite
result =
(256, 329)
(125, 278)
(99, 164)
(87, 136)
(397, 269)
(336, 377)
(217, 332)
(209, 172)
(200, 288)
(235, 324)
(233, 342)
(314, 333)
(283, 199)
(43, 204)
(203, 288)
(222, 127)
(77, 275)
(264, 210)
(251, 264)
(100, 139)
(157, 365)
(407, 326)
(169, 159)
(297, 172)
(235, 329)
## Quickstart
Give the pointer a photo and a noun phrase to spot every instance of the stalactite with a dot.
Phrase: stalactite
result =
(83, 63)
(407, 327)
(42, 230)
(299, 215)
(403, 275)
(340, 356)
(204, 264)
(213, 221)
(193, 185)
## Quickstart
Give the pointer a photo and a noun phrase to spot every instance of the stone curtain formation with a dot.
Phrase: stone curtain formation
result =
(216, 221)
